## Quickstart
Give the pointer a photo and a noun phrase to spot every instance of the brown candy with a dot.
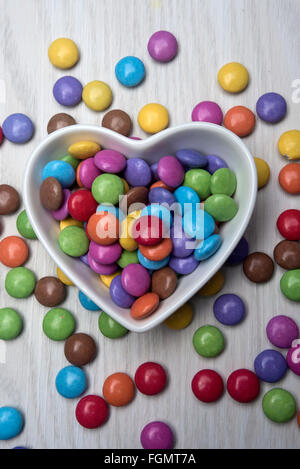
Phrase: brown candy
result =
(258, 267)
(80, 349)
(164, 282)
(287, 254)
(117, 120)
(9, 199)
(51, 194)
(58, 121)
(50, 291)
(136, 195)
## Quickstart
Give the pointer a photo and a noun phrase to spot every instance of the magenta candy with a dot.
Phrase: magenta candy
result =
(157, 435)
(293, 358)
(88, 172)
(170, 171)
(63, 212)
(207, 111)
(105, 254)
(162, 46)
(282, 331)
(101, 269)
(110, 161)
(135, 279)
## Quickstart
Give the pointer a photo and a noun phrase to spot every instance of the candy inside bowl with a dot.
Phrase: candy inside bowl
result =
(209, 139)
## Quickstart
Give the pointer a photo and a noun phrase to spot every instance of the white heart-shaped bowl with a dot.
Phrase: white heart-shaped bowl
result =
(208, 139)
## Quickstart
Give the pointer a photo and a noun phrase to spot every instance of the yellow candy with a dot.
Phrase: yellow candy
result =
(97, 95)
(126, 241)
(107, 279)
(233, 77)
(63, 53)
(126, 186)
(84, 149)
(135, 214)
(263, 172)
(63, 278)
(69, 222)
(153, 118)
(181, 318)
(289, 144)
(213, 286)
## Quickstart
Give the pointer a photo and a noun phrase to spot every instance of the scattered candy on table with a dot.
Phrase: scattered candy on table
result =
(59, 121)
(233, 77)
(279, 405)
(24, 226)
(289, 144)
(20, 282)
(208, 341)
(293, 358)
(58, 324)
(290, 284)
(288, 224)
(118, 121)
(207, 385)
(207, 111)
(258, 267)
(91, 411)
(63, 53)
(130, 71)
(181, 318)
(11, 324)
(50, 291)
(118, 389)
(287, 254)
(150, 378)
(97, 95)
(157, 435)
(229, 309)
(271, 107)
(162, 46)
(153, 118)
(71, 382)
(80, 349)
(282, 331)
(110, 328)
(270, 366)
(9, 199)
(263, 172)
(11, 423)
(18, 128)
(243, 385)
(13, 251)
(240, 120)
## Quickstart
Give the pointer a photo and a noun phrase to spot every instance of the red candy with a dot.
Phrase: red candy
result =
(148, 230)
(207, 385)
(1, 136)
(82, 205)
(91, 411)
(288, 224)
(243, 385)
(150, 378)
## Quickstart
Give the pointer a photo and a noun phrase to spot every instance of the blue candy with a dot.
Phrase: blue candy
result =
(198, 224)
(187, 198)
(160, 195)
(60, 170)
(111, 209)
(87, 303)
(70, 382)
(208, 247)
(191, 159)
(130, 71)
(152, 265)
(160, 211)
(11, 422)
(18, 128)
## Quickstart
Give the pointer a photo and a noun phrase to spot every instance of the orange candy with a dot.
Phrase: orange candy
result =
(13, 251)
(103, 228)
(144, 306)
(159, 251)
(289, 178)
(240, 120)
(118, 389)
(77, 175)
(161, 184)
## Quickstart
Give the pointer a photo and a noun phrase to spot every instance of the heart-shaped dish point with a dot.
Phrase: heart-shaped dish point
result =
(204, 137)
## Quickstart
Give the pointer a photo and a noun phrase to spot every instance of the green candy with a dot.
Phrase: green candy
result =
(10, 324)
(128, 257)
(208, 341)
(279, 405)
(290, 284)
(199, 180)
(24, 226)
(73, 241)
(223, 181)
(72, 161)
(20, 282)
(107, 188)
(221, 207)
(110, 328)
(58, 324)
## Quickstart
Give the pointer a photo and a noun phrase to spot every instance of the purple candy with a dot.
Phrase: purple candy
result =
(170, 171)
(182, 243)
(119, 295)
(229, 309)
(105, 254)
(18, 128)
(293, 359)
(101, 269)
(207, 111)
(84, 259)
(63, 212)
(110, 161)
(137, 172)
(157, 435)
(282, 331)
(154, 167)
(183, 265)
(88, 172)
(136, 279)
(271, 107)
(67, 91)
(214, 163)
(160, 195)
(270, 366)
(191, 159)
(240, 253)
(162, 46)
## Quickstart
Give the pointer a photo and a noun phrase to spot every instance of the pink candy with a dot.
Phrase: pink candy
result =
(110, 161)
(105, 254)
(135, 279)
(208, 111)
(170, 171)
(88, 172)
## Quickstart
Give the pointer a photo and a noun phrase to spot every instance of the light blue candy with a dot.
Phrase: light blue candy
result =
(60, 170)
(111, 209)
(87, 303)
(160, 211)
(130, 71)
(11, 423)
(187, 198)
(198, 224)
(152, 265)
(70, 382)
(208, 247)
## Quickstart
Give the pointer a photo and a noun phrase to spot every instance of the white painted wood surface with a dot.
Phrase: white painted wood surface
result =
(265, 36)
